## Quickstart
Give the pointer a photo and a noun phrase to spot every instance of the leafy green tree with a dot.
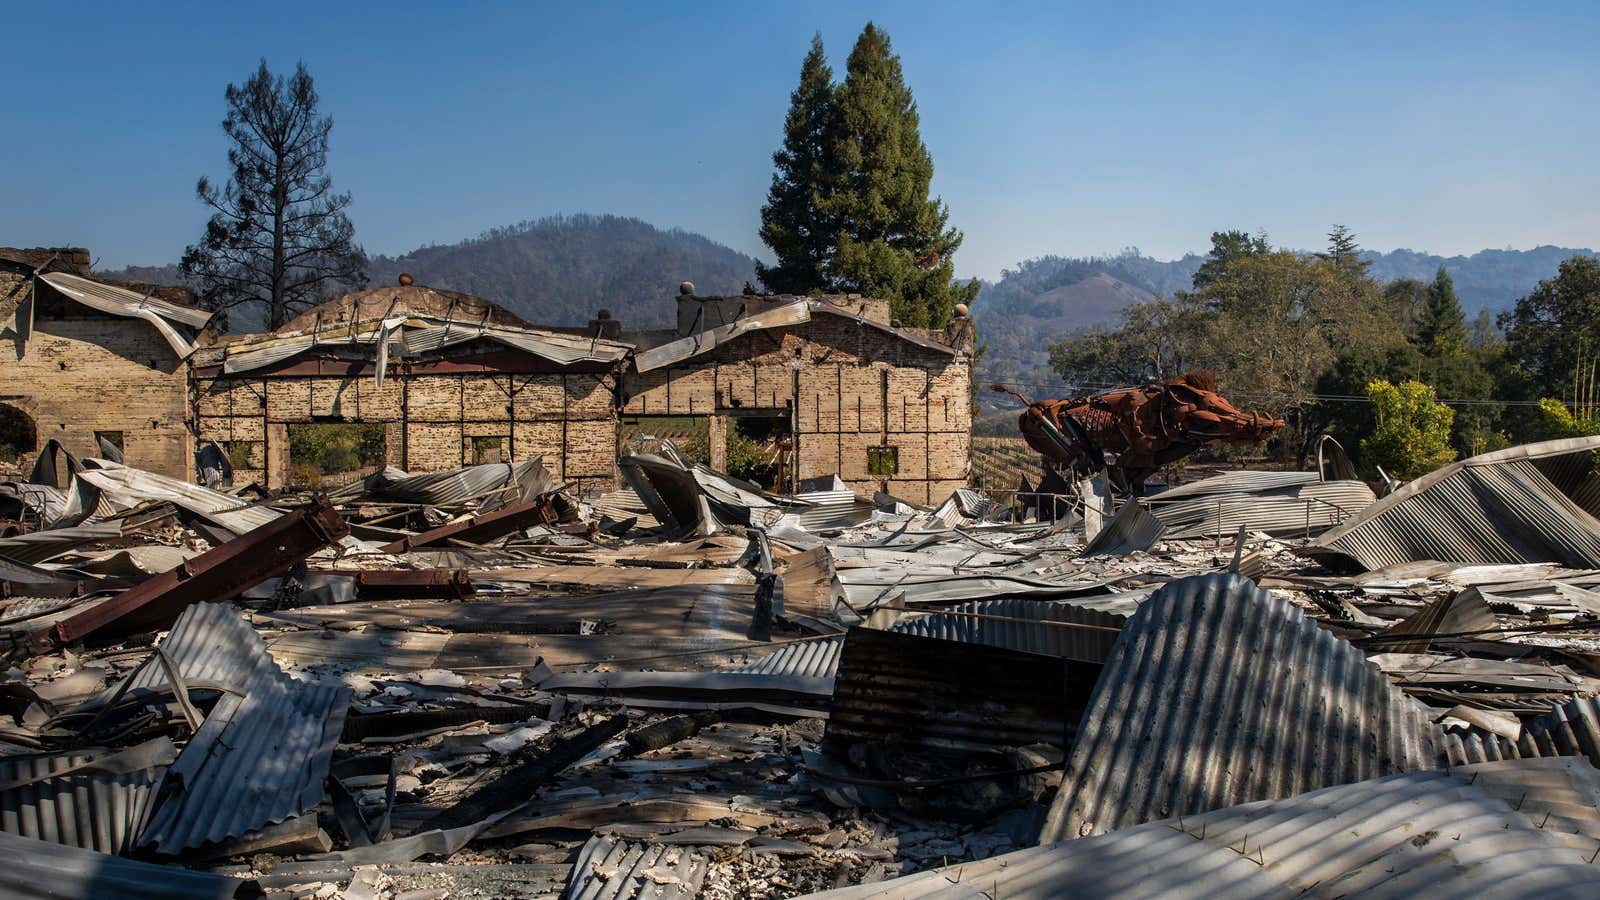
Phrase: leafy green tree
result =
(1442, 330)
(1154, 340)
(894, 241)
(1227, 246)
(278, 240)
(1412, 436)
(1555, 326)
(1562, 422)
(1344, 252)
(792, 221)
(1406, 298)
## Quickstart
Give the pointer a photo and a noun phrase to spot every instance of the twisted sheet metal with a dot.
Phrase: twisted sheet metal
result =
(1294, 511)
(1132, 529)
(1240, 482)
(441, 488)
(1416, 834)
(42, 545)
(1218, 694)
(84, 800)
(902, 689)
(1534, 503)
(611, 869)
(130, 305)
(38, 869)
(262, 754)
(1572, 729)
(803, 659)
(994, 622)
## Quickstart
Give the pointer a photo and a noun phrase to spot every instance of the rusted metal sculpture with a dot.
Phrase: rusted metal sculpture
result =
(1132, 432)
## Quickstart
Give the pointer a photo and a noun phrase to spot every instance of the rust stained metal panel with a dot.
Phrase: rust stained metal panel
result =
(1533, 503)
(218, 574)
(917, 691)
(404, 584)
(1218, 694)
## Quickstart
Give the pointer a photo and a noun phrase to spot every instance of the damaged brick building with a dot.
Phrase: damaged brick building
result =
(87, 361)
(445, 380)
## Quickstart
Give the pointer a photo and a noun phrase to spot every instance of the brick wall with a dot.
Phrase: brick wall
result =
(858, 388)
(76, 376)
(435, 421)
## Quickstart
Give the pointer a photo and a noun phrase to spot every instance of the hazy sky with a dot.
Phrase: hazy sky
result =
(1070, 128)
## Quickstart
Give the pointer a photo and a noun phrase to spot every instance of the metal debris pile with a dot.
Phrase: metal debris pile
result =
(478, 684)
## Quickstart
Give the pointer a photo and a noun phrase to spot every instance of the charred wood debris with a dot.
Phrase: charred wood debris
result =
(478, 684)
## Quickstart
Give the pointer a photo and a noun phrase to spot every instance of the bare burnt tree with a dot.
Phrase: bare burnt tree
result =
(278, 241)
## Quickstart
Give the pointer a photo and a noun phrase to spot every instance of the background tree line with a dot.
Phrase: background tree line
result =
(1317, 339)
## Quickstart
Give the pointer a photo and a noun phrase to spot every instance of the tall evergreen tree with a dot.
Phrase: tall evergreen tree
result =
(278, 240)
(792, 222)
(1442, 330)
(1344, 252)
(894, 241)
(1227, 246)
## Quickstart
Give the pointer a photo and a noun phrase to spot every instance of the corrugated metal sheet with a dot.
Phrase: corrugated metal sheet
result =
(129, 487)
(805, 659)
(422, 334)
(1417, 834)
(96, 800)
(443, 488)
(906, 690)
(1132, 529)
(1240, 482)
(1572, 729)
(42, 545)
(1510, 506)
(127, 304)
(1218, 694)
(610, 869)
(677, 351)
(1298, 510)
(1455, 614)
(996, 623)
(261, 756)
(37, 870)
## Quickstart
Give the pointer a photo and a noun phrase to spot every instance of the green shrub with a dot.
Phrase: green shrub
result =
(1413, 432)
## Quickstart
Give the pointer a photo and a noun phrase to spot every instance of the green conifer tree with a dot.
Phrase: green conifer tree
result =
(792, 222)
(894, 241)
(1442, 330)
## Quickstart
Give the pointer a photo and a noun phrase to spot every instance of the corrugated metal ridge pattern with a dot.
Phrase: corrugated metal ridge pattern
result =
(42, 545)
(1071, 643)
(37, 869)
(609, 869)
(1217, 694)
(93, 810)
(1132, 528)
(1572, 729)
(213, 644)
(1312, 508)
(131, 300)
(1416, 834)
(805, 659)
(1497, 508)
(1244, 481)
(683, 348)
(258, 758)
(439, 488)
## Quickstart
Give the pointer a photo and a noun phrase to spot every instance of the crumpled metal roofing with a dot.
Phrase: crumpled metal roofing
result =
(796, 313)
(1020, 624)
(1432, 833)
(1533, 503)
(130, 305)
(39, 869)
(1572, 729)
(439, 488)
(128, 487)
(422, 334)
(1298, 510)
(806, 659)
(96, 800)
(39, 546)
(261, 756)
(1133, 528)
(611, 869)
(1217, 694)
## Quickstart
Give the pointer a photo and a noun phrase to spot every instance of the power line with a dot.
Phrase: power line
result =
(1326, 398)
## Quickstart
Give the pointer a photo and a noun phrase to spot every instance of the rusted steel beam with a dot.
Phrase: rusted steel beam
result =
(482, 529)
(409, 584)
(218, 574)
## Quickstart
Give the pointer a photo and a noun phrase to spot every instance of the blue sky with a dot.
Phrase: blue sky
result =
(1071, 128)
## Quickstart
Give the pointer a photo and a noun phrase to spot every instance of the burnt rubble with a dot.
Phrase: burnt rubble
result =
(485, 684)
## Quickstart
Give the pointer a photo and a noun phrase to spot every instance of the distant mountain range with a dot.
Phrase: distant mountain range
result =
(561, 270)
(556, 271)
(1044, 300)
